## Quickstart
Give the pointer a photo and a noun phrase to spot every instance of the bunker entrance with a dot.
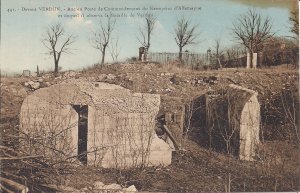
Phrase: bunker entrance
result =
(82, 111)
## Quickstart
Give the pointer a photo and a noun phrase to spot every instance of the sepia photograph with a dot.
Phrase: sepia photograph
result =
(161, 96)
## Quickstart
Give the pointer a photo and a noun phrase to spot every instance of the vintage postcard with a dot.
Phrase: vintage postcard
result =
(149, 96)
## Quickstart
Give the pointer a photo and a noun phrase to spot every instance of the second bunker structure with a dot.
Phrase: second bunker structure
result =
(233, 121)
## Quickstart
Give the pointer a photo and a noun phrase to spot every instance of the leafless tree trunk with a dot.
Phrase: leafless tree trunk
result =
(146, 32)
(115, 50)
(102, 36)
(218, 52)
(252, 30)
(55, 41)
(185, 34)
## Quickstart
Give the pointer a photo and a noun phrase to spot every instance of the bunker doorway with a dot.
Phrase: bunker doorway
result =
(82, 111)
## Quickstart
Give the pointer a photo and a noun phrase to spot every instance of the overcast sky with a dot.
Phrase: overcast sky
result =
(21, 31)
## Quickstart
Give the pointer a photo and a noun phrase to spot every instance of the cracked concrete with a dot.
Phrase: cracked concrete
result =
(120, 124)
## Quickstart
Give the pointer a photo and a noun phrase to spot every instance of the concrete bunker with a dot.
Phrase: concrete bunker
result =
(97, 123)
(228, 121)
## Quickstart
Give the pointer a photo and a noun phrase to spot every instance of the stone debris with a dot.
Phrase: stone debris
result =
(101, 77)
(166, 74)
(112, 187)
(176, 80)
(70, 74)
(130, 189)
(111, 77)
(32, 85)
(100, 187)
(204, 81)
(105, 77)
(47, 84)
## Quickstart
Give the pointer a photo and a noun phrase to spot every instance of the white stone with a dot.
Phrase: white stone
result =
(102, 77)
(47, 83)
(33, 85)
(111, 76)
(70, 74)
(112, 187)
(130, 189)
(98, 185)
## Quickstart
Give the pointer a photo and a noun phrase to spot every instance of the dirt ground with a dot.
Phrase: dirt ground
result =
(194, 168)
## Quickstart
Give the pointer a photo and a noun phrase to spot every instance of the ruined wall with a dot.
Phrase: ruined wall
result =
(48, 129)
(120, 123)
(233, 120)
(124, 133)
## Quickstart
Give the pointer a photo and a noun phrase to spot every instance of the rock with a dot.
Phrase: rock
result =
(58, 77)
(130, 189)
(169, 74)
(32, 85)
(30, 82)
(112, 187)
(102, 77)
(85, 189)
(35, 85)
(176, 80)
(166, 74)
(98, 185)
(40, 80)
(47, 84)
(111, 76)
(44, 84)
(172, 88)
(70, 74)
(168, 90)
(69, 189)
(152, 91)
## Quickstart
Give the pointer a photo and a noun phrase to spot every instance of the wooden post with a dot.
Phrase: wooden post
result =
(13, 186)
(171, 137)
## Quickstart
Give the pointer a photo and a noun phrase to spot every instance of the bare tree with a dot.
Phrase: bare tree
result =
(115, 50)
(102, 36)
(185, 34)
(252, 30)
(218, 52)
(294, 19)
(146, 32)
(57, 43)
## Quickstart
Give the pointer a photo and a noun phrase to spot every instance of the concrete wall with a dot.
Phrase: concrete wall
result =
(120, 123)
(249, 129)
(43, 124)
